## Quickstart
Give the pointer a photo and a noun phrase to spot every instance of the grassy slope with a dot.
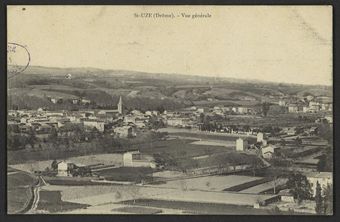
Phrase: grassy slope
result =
(103, 86)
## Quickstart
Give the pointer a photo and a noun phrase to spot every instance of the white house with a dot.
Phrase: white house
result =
(259, 137)
(282, 103)
(148, 113)
(286, 196)
(241, 144)
(329, 118)
(64, 168)
(293, 108)
(242, 110)
(202, 110)
(85, 101)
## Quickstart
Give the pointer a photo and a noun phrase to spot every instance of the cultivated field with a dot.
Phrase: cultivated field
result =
(208, 183)
(213, 143)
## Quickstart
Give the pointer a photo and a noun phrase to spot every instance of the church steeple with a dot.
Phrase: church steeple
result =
(120, 105)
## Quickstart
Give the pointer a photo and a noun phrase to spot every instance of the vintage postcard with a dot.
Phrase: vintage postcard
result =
(220, 110)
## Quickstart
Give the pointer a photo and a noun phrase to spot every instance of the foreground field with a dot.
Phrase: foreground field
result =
(101, 197)
(19, 191)
(199, 208)
(200, 190)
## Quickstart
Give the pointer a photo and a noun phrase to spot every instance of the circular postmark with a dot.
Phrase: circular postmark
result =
(18, 59)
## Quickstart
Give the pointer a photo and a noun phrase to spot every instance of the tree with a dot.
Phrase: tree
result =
(325, 163)
(275, 211)
(54, 165)
(325, 131)
(160, 109)
(265, 108)
(53, 137)
(32, 139)
(328, 200)
(298, 141)
(16, 142)
(299, 187)
(318, 199)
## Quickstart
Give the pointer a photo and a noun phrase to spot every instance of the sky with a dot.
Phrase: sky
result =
(291, 44)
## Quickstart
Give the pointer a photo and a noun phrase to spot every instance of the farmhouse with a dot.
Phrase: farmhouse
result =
(75, 101)
(293, 108)
(64, 168)
(241, 144)
(242, 110)
(85, 101)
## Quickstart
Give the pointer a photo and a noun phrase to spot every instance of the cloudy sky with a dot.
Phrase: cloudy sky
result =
(274, 43)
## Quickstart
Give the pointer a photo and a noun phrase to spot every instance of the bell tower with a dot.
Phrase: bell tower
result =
(120, 105)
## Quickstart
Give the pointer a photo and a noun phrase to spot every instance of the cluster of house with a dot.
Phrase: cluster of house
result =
(310, 104)
(267, 150)
(43, 122)
(221, 110)
(115, 121)
(75, 100)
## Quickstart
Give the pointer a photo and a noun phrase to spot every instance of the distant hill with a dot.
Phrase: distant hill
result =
(34, 87)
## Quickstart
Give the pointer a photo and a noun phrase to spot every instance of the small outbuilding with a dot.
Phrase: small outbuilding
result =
(286, 196)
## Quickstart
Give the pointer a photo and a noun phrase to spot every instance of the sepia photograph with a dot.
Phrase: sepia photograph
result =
(169, 110)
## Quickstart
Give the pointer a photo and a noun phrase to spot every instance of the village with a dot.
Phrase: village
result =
(221, 155)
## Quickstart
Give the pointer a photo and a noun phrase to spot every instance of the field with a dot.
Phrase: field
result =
(261, 188)
(246, 185)
(114, 194)
(177, 148)
(199, 208)
(19, 191)
(136, 174)
(51, 202)
(208, 183)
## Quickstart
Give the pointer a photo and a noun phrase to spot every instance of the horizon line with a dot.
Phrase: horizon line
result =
(183, 74)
